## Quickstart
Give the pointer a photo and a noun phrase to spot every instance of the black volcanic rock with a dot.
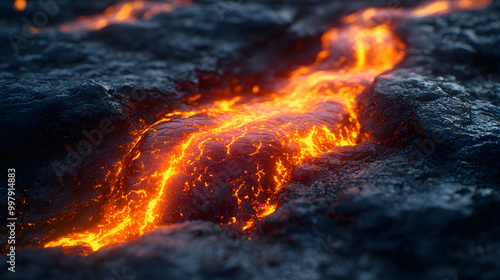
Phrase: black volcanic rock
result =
(418, 200)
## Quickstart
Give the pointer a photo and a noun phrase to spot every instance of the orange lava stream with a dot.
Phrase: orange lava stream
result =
(440, 7)
(123, 12)
(350, 59)
(20, 5)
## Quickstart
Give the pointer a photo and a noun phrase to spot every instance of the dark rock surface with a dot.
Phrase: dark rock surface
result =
(419, 200)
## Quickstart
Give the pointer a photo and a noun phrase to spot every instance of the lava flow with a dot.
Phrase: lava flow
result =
(19, 5)
(227, 161)
(123, 12)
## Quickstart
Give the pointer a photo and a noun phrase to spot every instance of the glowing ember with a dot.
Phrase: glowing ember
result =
(124, 12)
(20, 5)
(440, 7)
(227, 161)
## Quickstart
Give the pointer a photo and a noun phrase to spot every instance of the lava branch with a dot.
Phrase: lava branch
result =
(227, 161)
(123, 12)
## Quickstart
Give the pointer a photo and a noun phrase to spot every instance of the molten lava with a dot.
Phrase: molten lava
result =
(228, 161)
(123, 12)
(440, 7)
(19, 5)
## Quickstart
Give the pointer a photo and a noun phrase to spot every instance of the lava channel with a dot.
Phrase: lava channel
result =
(226, 162)
(123, 12)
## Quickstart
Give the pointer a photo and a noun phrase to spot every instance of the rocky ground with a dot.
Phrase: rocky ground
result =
(420, 200)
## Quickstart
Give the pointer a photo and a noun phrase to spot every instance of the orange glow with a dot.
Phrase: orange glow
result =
(20, 5)
(178, 159)
(436, 8)
(473, 4)
(123, 12)
(447, 6)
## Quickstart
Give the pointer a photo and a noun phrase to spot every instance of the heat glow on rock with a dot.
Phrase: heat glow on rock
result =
(227, 161)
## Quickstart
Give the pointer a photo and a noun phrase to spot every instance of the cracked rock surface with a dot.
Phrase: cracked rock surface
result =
(419, 200)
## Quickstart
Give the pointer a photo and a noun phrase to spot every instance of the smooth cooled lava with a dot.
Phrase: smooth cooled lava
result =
(228, 161)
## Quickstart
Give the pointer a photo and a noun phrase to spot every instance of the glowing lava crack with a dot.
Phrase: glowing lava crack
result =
(227, 161)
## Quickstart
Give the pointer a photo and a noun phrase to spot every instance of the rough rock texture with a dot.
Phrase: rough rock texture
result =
(419, 200)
